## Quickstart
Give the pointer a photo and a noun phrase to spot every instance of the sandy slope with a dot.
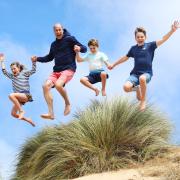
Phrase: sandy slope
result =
(155, 169)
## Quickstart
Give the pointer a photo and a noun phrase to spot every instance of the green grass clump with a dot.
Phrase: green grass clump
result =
(107, 135)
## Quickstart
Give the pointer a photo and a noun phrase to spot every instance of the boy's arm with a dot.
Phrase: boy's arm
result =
(78, 57)
(174, 27)
(119, 61)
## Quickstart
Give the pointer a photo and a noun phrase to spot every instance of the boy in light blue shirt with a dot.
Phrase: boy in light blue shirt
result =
(96, 60)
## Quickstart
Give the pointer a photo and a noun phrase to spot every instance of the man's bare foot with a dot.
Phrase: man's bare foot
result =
(48, 116)
(142, 105)
(21, 114)
(138, 93)
(103, 93)
(96, 91)
(67, 109)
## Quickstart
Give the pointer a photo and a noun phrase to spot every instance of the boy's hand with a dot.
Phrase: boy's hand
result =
(34, 58)
(77, 48)
(175, 26)
(110, 66)
(1, 57)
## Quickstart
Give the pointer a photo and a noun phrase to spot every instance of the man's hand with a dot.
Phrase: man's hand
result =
(77, 48)
(1, 57)
(34, 58)
(175, 26)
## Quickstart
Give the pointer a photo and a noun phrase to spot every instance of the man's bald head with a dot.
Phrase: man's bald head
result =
(58, 30)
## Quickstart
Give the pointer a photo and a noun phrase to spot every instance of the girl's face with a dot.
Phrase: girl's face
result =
(140, 38)
(93, 49)
(15, 70)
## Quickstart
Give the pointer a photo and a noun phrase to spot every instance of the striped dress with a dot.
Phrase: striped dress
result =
(20, 83)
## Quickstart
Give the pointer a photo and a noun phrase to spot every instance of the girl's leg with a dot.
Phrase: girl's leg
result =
(16, 98)
(142, 82)
(86, 82)
(14, 114)
(103, 80)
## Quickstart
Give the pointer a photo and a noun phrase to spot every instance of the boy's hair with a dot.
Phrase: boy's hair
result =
(93, 42)
(17, 64)
(140, 29)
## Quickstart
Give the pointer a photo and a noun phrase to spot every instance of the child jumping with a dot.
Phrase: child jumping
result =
(21, 88)
(143, 54)
(96, 60)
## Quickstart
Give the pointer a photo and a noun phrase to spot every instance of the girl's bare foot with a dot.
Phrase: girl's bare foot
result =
(21, 114)
(29, 120)
(48, 116)
(142, 105)
(96, 91)
(103, 93)
(67, 109)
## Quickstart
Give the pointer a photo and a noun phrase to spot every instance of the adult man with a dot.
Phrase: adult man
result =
(63, 52)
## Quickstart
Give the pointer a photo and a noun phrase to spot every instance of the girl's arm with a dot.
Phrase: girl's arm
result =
(174, 27)
(7, 74)
(33, 70)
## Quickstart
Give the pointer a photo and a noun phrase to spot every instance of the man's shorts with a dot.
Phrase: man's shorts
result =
(64, 76)
(95, 77)
(134, 79)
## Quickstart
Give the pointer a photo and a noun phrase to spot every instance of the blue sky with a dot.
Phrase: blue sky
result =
(26, 29)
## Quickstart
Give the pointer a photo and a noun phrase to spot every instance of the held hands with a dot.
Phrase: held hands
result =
(1, 57)
(34, 58)
(175, 26)
(77, 48)
(110, 66)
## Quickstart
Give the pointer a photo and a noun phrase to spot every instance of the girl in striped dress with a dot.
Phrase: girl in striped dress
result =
(21, 89)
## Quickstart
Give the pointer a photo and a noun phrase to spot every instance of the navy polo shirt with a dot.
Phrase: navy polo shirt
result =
(143, 57)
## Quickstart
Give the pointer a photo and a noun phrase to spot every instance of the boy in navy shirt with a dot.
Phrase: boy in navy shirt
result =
(143, 54)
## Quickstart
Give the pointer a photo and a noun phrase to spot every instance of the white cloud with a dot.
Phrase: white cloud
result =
(7, 160)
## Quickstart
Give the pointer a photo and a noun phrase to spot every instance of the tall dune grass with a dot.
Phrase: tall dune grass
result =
(107, 135)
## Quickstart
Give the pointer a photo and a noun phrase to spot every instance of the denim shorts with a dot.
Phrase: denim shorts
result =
(134, 79)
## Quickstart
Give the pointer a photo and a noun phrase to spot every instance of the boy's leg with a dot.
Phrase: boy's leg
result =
(85, 81)
(49, 99)
(128, 86)
(16, 98)
(103, 80)
(142, 82)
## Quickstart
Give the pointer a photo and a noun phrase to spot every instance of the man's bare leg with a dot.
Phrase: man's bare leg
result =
(86, 83)
(59, 86)
(49, 100)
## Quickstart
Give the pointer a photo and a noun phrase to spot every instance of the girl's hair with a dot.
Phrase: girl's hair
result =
(93, 42)
(140, 29)
(17, 64)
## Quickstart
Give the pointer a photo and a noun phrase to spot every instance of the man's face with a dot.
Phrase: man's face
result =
(58, 31)
(140, 38)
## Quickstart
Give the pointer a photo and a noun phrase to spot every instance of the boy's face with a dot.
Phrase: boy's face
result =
(93, 49)
(140, 38)
(15, 70)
